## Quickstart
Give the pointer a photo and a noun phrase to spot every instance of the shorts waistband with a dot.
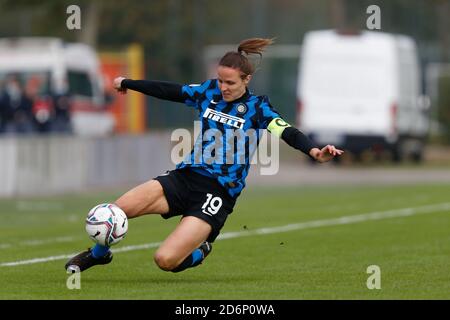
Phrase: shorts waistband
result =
(203, 172)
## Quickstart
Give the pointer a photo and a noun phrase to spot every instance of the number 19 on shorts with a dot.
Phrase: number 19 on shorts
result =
(212, 205)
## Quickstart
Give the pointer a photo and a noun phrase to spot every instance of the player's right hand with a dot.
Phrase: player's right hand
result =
(117, 84)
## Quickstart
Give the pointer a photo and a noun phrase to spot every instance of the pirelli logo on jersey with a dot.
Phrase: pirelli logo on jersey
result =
(224, 118)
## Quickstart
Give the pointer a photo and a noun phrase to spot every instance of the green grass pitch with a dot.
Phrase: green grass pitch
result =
(327, 259)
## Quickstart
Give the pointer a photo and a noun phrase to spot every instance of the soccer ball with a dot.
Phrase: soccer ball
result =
(106, 224)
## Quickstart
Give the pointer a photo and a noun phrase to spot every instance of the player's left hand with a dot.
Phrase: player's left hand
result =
(327, 153)
(117, 84)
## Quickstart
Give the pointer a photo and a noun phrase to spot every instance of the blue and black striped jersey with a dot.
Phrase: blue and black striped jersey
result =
(230, 133)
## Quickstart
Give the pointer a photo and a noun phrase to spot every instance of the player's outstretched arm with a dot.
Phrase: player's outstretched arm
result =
(296, 139)
(158, 89)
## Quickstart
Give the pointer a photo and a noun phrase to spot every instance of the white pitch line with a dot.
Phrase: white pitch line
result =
(377, 215)
(38, 242)
(46, 241)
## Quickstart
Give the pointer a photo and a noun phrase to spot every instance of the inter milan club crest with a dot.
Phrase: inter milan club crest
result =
(241, 108)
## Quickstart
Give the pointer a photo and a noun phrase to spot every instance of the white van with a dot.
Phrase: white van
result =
(362, 91)
(59, 68)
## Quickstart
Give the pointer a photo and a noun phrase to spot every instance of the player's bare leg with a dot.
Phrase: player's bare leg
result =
(185, 247)
(147, 198)
(183, 242)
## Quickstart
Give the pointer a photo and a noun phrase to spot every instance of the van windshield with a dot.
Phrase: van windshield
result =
(344, 79)
(79, 83)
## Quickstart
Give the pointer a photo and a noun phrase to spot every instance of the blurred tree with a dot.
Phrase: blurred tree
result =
(338, 15)
(443, 15)
(45, 19)
(176, 29)
(89, 34)
(444, 106)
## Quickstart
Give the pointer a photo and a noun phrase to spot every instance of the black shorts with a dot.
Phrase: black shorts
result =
(189, 193)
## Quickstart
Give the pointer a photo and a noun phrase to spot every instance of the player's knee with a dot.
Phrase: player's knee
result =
(165, 261)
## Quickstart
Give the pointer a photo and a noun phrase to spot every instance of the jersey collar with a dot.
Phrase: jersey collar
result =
(243, 98)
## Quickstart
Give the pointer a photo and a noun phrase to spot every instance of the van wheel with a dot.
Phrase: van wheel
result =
(397, 153)
(417, 156)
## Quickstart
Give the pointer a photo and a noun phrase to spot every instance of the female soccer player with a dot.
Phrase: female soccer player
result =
(203, 189)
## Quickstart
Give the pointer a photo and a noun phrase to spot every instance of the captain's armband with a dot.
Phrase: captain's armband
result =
(277, 126)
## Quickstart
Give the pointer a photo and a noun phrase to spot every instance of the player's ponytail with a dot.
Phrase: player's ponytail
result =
(239, 60)
(254, 46)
